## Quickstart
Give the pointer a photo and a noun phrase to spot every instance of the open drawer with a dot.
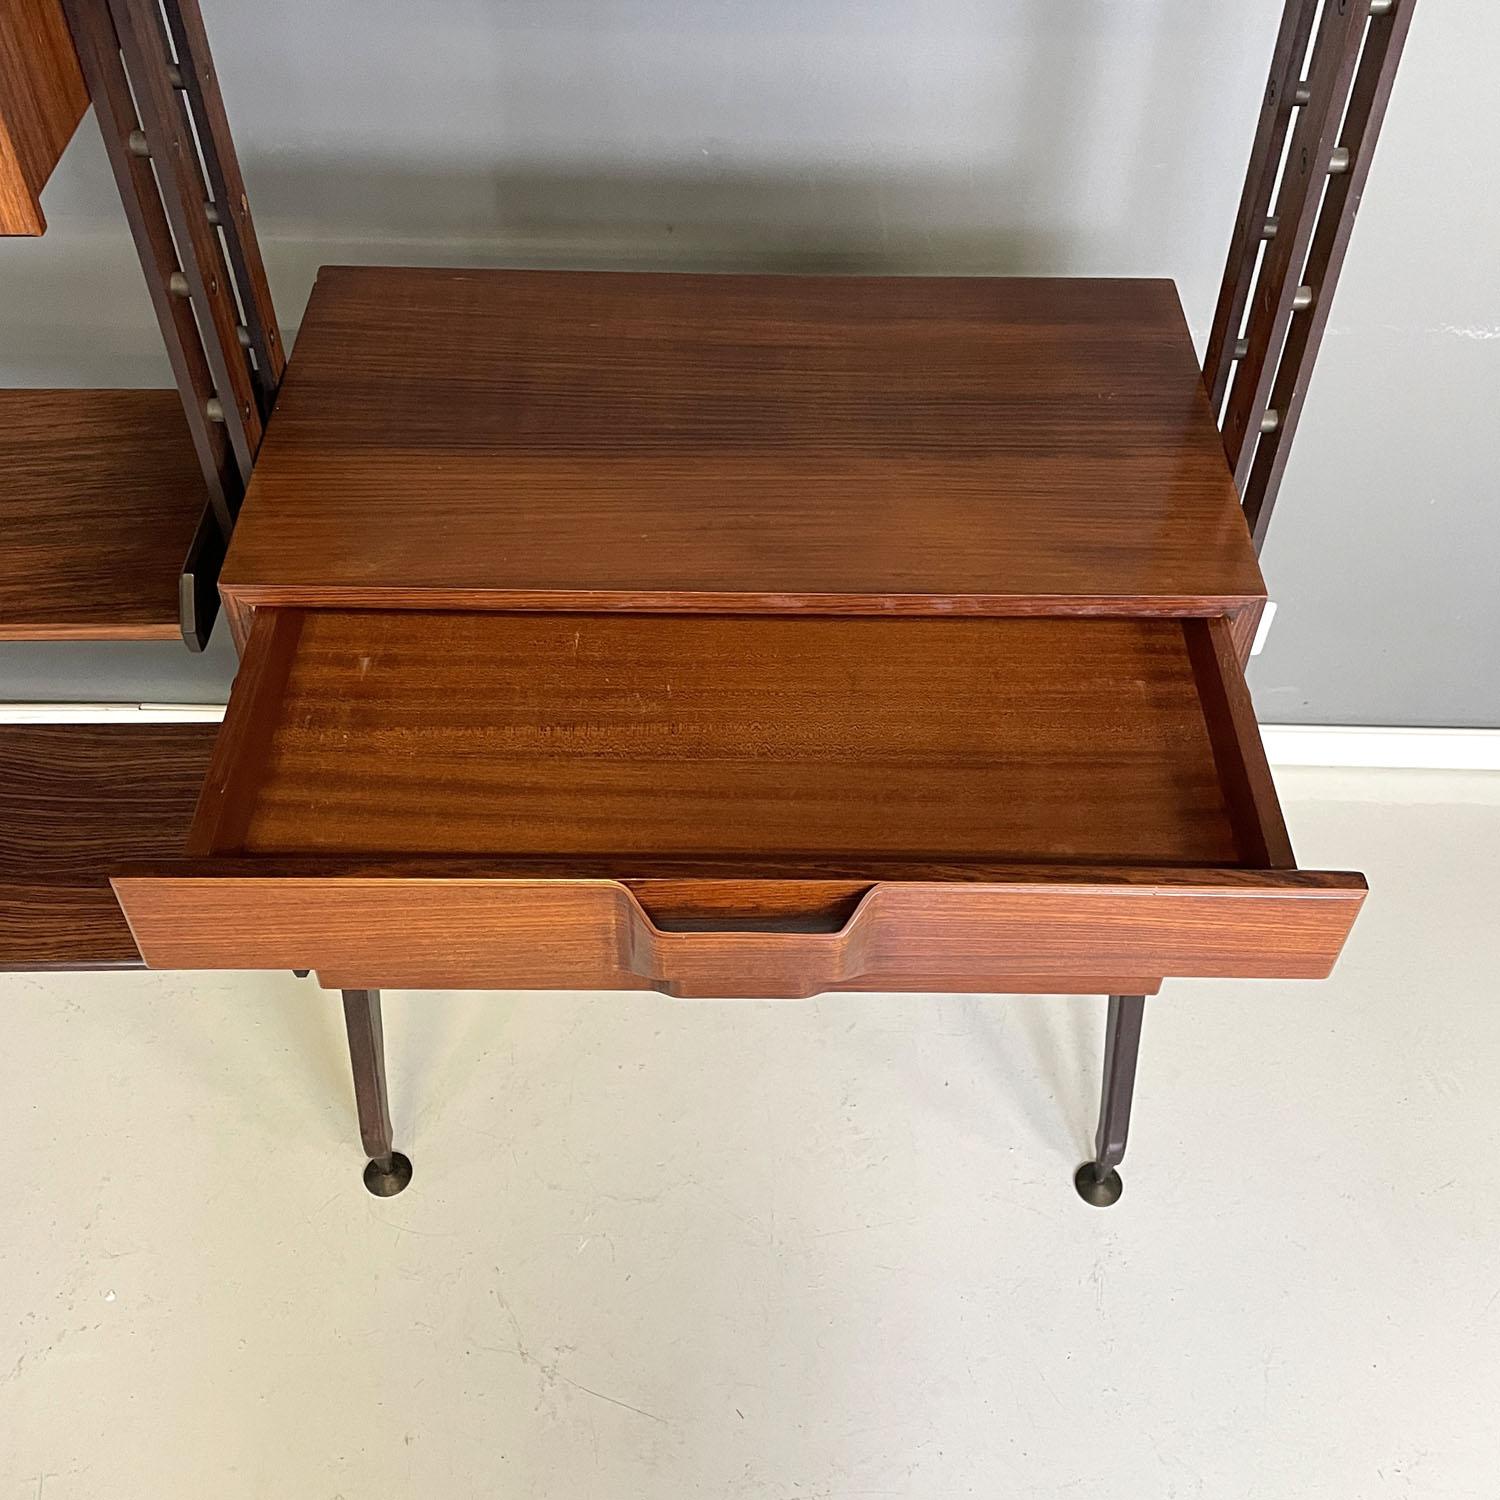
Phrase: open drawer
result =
(732, 805)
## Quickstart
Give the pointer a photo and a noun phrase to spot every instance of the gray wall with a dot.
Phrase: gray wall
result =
(1039, 136)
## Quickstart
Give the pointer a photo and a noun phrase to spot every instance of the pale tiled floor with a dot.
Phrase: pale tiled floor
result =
(785, 1251)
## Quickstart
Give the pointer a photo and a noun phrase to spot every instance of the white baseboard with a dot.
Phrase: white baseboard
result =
(111, 713)
(1354, 745)
(1359, 745)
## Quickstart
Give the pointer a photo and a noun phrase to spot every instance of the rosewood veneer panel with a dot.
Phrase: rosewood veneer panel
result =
(42, 99)
(1022, 935)
(100, 497)
(492, 439)
(77, 801)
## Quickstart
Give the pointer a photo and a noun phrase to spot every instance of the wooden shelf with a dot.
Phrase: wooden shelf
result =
(101, 500)
(76, 801)
(42, 99)
(573, 440)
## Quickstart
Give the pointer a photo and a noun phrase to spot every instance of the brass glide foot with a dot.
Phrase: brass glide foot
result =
(386, 1176)
(1099, 1191)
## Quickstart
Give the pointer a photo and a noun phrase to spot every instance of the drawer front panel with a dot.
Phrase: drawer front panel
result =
(364, 932)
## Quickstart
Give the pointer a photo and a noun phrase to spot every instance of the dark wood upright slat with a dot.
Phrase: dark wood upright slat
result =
(77, 801)
(221, 163)
(1340, 32)
(185, 194)
(1277, 109)
(1367, 105)
(114, 108)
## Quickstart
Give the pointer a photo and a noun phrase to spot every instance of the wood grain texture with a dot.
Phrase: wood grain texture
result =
(42, 99)
(1249, 792)
(227, 799)
(76, 802)
(468, 933)
(805, 894)
(505, 439)
(753, 737)
(100, 499)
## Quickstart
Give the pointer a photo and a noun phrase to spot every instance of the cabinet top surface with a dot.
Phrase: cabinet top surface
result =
(666, 441)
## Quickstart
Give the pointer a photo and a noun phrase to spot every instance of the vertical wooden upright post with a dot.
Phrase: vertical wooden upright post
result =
(166, 135)
(1299, 202)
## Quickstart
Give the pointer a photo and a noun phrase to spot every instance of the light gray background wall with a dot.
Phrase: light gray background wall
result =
(1103, 137)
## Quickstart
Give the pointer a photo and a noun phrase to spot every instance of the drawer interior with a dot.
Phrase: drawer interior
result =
(863, 745)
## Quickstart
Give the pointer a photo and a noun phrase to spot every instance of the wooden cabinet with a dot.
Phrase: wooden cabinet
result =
(42, 99)
(741, 635)
(723, 635)
(727, 636)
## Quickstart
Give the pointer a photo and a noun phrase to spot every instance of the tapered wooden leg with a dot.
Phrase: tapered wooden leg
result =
(388, 1170)
(1098, 1181)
